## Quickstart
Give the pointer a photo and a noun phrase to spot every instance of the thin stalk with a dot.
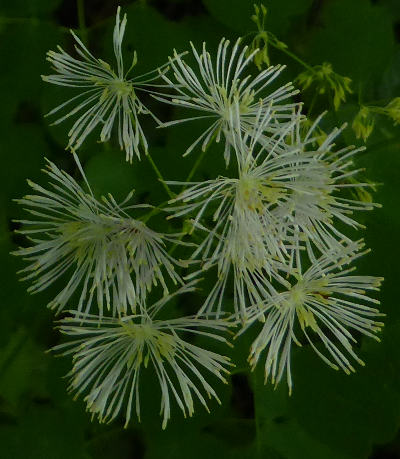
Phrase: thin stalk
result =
(80, 6)
(159, 175)
(173, 248)
(154, 211)
(78, 163)
(293, 56)
(188, 178)
(195, 167)
(312, 103)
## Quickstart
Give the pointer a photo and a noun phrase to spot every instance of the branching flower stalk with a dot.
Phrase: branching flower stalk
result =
(323, 79)
(364, 121)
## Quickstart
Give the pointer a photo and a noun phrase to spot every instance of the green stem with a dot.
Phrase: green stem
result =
(312, 103)
(80, 5)
(195, 167)
(154, 211)
(189, 177)
(173, 248)
(159, 175)
(292, 55)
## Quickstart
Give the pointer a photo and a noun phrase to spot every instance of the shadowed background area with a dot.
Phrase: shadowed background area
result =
(330, 415)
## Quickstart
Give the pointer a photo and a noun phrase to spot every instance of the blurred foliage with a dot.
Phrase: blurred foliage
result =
(330, 415)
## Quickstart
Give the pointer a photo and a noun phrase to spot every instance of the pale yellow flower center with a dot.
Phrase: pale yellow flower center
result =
(226, 102)
(121, 88)
(253, 193)
(150, 341)
(297, 298)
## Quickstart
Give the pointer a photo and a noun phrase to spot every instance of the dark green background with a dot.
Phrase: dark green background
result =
(330, 415)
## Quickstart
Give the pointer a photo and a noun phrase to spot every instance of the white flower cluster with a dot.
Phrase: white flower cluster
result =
(270, 234)
(114, 260)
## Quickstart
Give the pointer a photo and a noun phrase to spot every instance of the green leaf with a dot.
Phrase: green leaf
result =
(356, 37)
(279, 433)
(22, 366)
(349, 414)
(43, 432)
(26, 58)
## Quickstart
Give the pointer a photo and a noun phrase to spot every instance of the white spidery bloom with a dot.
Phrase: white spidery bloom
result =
(108, 96)
(218, 87)
(108, 255)
(324, 304)
(110, 355)
(246, 235)
(311, 213)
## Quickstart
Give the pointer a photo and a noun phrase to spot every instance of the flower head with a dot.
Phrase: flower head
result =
(110, 354)
(247, 236)
(107, 96)
(324, 303)
(318, 201)
(98, 243)
(218, 89)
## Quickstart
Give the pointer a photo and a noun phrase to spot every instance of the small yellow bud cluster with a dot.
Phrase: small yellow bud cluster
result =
(364, 121)
(325, 80)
